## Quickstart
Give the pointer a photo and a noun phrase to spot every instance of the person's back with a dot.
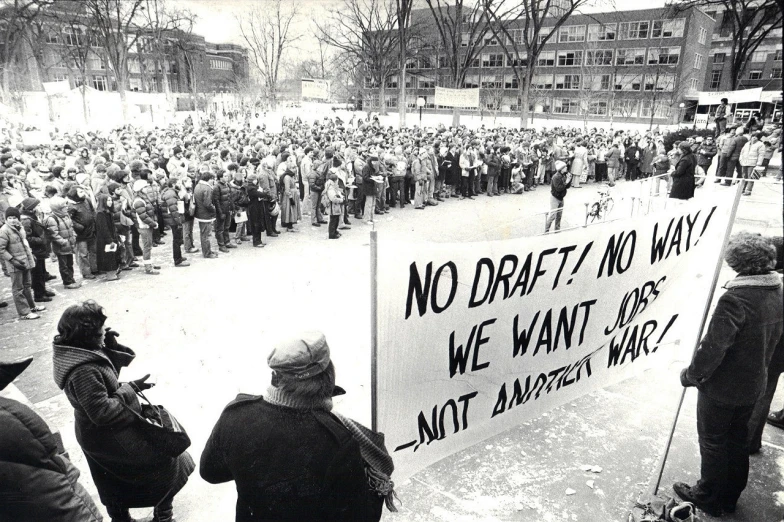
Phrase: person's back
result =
(288, 464)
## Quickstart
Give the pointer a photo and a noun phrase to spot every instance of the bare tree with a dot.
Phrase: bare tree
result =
(403, 11)
(461, 28)
(363, 32)
(537, 21)
(268, 33)
(160, 19)
(747, 22)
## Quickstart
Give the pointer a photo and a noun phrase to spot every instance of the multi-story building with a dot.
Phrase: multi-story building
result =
(61, 48)
(634, 66)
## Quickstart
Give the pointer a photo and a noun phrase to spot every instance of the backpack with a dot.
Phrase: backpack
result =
(243, 200)
(318, 184)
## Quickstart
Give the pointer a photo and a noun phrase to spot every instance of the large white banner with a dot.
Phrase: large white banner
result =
(742, 96)
(316, 89)
(466, 98)
(475, 338)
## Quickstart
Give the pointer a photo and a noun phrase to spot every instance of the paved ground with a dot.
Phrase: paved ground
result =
(204, 331)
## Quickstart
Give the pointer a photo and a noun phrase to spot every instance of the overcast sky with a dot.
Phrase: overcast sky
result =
(217, 23)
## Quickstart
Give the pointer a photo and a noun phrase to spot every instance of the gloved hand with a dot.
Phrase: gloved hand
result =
(685, 381)
(141, 385)
(110, 339)
(17, 264)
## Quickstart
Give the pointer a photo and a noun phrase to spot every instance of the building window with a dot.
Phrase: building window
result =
(715, 80)
(664, 55)
(491, 40)
(630, 57)
(567, 82)
(425, 62)
(471, 82)
(777, 55)
(52, 38)
(703, 37)
(698, 61)
(634, 30)
(427, 83)
(597, 108)
(597, 82)
(759, 56)
(411, 63)
(465, 39)
(694, 84)
(391, 102)
(565, 106)
(571, 33)
(668, 28)
(73, 36)
(59, 77)
(410, 81)
(601, 33)
(628, 82)
(546, 59)
(220, 64)
(659, 110)
(511, 82)
(492, 82)
(370, 83)
(660, 82)
(99, 83)
(520, 61)
(602, 57)
(719, 57)
(443, 62)
(492, 60)
(474, 62)
(625, 108)
(392, 82)
(543, 32)
(570, 58)
(516, 36)
(755, 75)
(775, 74)
(135, 84)
(542, 82)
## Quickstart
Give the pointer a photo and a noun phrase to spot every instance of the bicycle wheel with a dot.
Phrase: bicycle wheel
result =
(608, 206)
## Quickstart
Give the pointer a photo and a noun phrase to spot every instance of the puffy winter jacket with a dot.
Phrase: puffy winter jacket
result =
(60, 232)
(83, 218)
(36, 236)
(752, 154)
(37, 481)
(169, 207)
(705, 154)
(223, 198)
(202, 196)
(144, 209)
(14, 248)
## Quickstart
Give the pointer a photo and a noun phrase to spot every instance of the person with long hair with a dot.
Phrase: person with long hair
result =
(127, 470)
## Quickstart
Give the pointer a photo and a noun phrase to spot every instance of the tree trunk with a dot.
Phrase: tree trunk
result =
(84, 103)
(122, 85)
(401, 102)
(382, 107)
(525, 97)
(455, 116)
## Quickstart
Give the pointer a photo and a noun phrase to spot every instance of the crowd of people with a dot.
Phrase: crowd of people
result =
(95, 202)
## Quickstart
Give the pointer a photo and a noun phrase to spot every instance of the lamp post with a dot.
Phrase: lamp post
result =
(420, 103)
(681, 106)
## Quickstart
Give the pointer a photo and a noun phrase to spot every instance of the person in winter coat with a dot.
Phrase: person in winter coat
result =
(290, 212)
(18, 258)
(732, 150)
(60, 233)
(146, 218)
(172, 207)
(82, 214)
(205, 212)
(729, 370)
(646, 159)
(36, 238)
(751, 160)
(257, 210)
(240, 206)
(128, 472)
(370, 186)
(223, 199)
(775, 369)
(683, 175)
(186, 195)
(705, 153)
(632, 159)
(106, 239)
(579, 163)
(562, 180)
(291, 458)
(37, 482)
(613, 158)
(452, 172)
(334, 200)
(493, 170)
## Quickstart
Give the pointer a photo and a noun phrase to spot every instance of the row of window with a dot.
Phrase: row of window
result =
(599, 57)
(220, 64)
(756, 56)
(571, 106)
(598, 32)
(569, 82)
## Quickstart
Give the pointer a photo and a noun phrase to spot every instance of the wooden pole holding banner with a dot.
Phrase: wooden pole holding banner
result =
(373, 329)
(716, 271)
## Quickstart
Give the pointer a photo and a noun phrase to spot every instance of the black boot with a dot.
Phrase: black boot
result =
(163, 513)
(119, 514)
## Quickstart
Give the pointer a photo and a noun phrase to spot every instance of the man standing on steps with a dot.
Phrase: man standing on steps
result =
(721, 117)
(560, 183)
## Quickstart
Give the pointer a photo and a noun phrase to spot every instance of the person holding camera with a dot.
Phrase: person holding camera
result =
(128, 471)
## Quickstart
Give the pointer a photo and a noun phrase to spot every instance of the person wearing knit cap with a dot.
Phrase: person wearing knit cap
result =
(62, 238)
(290, 456)
(36, 238)
(18, 257)
(40, 475)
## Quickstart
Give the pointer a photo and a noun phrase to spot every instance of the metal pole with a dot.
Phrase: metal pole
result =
(373, 329)
(716, 271)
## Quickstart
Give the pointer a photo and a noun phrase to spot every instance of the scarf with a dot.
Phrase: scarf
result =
(378, 463)
(279, 397)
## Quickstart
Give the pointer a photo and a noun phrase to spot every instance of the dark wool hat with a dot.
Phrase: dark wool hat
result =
(303, 356)
(177, 150)
(112, 186)
(29, 204)
(118, 176)
(12, 211)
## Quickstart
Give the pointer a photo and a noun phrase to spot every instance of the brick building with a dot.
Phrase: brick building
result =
(634, 66)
